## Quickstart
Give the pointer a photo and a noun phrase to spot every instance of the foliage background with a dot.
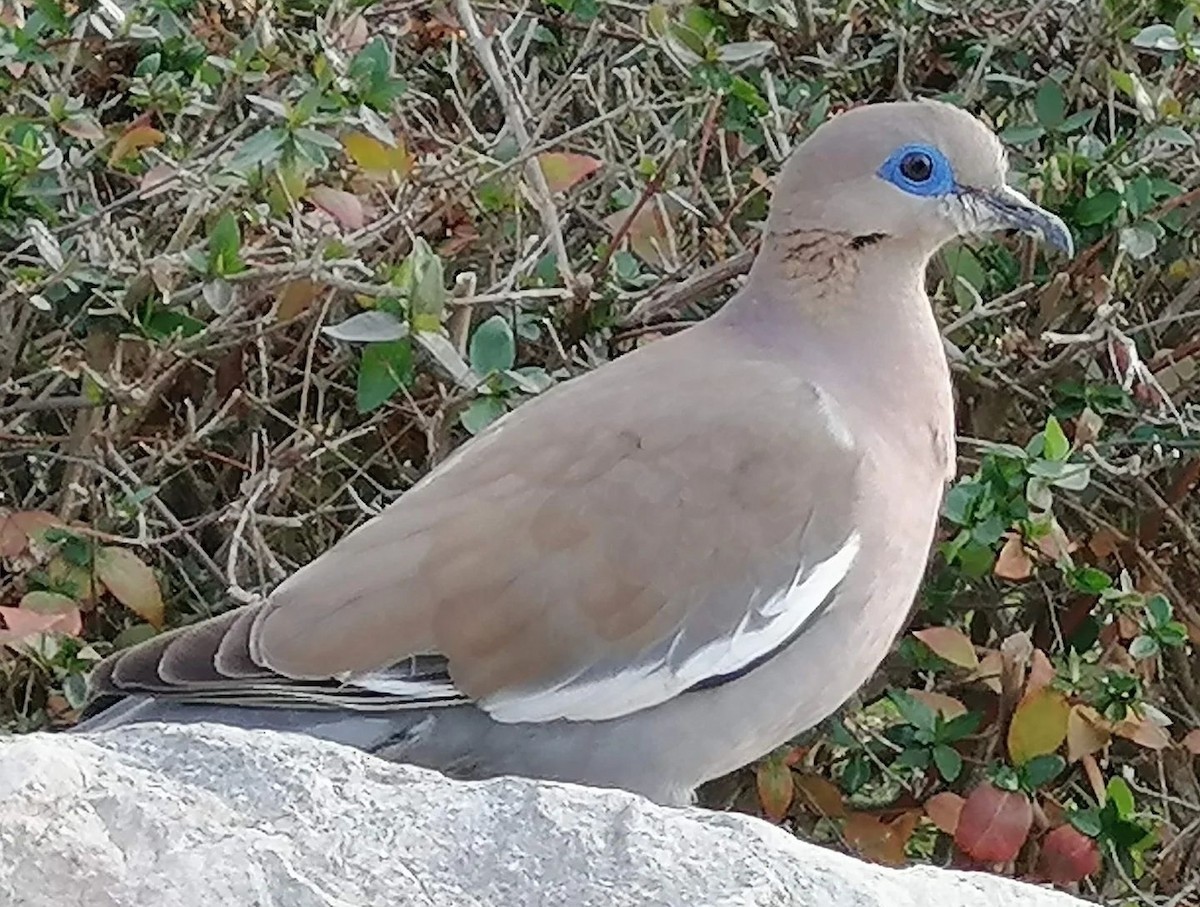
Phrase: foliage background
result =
(264, 264)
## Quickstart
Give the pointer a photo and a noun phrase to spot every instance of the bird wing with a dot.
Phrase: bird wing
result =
(665, 522)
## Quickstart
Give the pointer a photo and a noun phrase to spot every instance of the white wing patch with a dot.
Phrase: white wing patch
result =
(650, 683)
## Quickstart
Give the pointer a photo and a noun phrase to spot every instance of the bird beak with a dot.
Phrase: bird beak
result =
(1007, 209)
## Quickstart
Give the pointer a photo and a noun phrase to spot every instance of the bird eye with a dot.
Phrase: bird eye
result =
(919, 169)
(916, 166)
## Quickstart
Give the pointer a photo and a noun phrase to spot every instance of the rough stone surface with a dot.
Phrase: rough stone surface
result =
(160, 816)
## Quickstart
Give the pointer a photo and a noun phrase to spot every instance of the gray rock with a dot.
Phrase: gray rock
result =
(163, 816)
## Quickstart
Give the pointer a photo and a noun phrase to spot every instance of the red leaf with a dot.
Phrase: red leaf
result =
(563, 169)
(22, 623)
(994, 824)
(1068, 856)
(944, 810)
(951, 644)
(17, 528)
(947, 706)
(1191, 742)
(1013, 563)
(775, 788)
(343, 207)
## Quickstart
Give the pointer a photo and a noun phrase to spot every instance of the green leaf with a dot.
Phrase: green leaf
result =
(1090, 579)
(259, 150)
(385, 368)
(1022, 135)
(949, 763)
(224, 246)
(493, 348)
(1120, 796)
(1041, 770)
(75, 689)
(1078, 120)
(1056, 444)
(1158, 609)
(918, 714)
(1086, 821)
(1143, 647)
(1098, 208)
(962, 726)
(482, 412)
(857, 772)
(1050, 105)
(917, 757)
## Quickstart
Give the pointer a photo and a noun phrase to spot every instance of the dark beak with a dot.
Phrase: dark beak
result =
(1007, 209)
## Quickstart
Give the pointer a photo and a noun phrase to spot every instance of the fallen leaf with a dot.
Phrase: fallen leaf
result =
(1067, 856)
(1095, 778)
(21, 624)
(1013, 563)
(950, 644)
(993, 824)
(1191, 742)
(1104, 543)
(19, 527)
(564, 169)
(988, 672)
(344, 207)
(648, 234)
(1041, 672)
(377, 159)
(820, 795)
(131, 582)
(944, 810)
(1143, 732)
(296, 297)
(775, 788)
(82, 126)
(133, 140)
(947, 706)
(1087, 732)
(1039, 725)
(881, 842)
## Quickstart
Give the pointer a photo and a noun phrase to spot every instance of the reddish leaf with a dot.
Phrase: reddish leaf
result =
(947, 706)
(1041, 672)
(944, 810)
(131, 582)
(775, 788)
(1191, 742)
(1095, 778)
(648, 234)
(45, 616)
(951, 644)
(1068, 856)
(820, 796)
(1087, 732)
(1013, 563)
(1143, 732)
(993, 824)
(1039, 725)
(563, 169)
(881, 842)
(18, 528)
(343, 207)
(133, 140)
(988, 672)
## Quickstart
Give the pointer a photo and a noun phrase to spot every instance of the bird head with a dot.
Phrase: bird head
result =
(921, 172)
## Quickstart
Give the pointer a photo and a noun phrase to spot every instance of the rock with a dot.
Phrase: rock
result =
(206, 815)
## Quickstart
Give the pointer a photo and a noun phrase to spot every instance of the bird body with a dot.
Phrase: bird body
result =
(658, 571)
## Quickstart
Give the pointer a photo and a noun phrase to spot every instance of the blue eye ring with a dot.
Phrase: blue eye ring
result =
(919, 170)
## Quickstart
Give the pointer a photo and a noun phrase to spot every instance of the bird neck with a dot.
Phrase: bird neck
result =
(852, 305)
(857, 289)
